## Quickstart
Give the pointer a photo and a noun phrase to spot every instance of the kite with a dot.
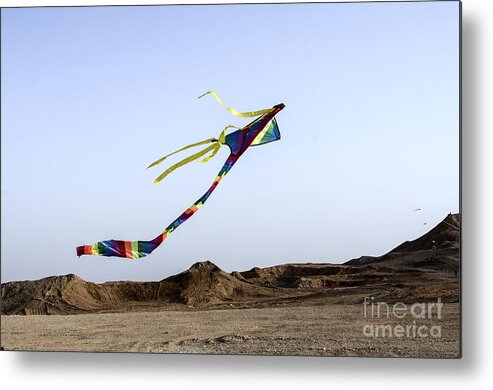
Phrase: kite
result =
(262, 130)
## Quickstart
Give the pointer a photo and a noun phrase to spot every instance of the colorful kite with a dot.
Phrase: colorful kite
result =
(261, 131)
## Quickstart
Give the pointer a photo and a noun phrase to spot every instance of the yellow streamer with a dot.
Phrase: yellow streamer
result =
(249, 114)
(159, 161)
(218, 142)
(193, 157)
(212, 148)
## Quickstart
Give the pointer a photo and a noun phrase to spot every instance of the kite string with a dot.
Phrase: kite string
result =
(356, 177)
(388, 193)
(455, 227)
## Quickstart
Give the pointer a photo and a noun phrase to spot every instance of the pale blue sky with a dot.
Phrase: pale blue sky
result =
(91, 96)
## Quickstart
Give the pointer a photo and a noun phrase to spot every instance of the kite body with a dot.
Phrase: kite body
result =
(262, 130)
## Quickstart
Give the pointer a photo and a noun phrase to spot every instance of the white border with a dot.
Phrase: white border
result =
(131, 371)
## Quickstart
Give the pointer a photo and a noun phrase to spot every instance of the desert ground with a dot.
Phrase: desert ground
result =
(405, 303)
(328, 330)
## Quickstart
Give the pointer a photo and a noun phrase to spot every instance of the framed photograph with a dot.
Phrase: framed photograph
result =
(306, 204)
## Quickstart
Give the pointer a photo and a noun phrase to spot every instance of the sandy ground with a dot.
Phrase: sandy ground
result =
(330, 330)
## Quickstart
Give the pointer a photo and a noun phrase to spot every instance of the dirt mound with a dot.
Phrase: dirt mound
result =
(438, 249)
(206, 283)
(203, 283)
(426, 267)
(54, 295)
(291, 275)
(445, 235)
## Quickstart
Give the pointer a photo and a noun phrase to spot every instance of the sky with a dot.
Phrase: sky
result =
(90, 96)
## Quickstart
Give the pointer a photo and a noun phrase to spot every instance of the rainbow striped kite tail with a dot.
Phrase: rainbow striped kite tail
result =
(120, 248)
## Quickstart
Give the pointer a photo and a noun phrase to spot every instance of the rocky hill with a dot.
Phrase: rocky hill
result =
(437, 249)
(202, 284)
(424, 268)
